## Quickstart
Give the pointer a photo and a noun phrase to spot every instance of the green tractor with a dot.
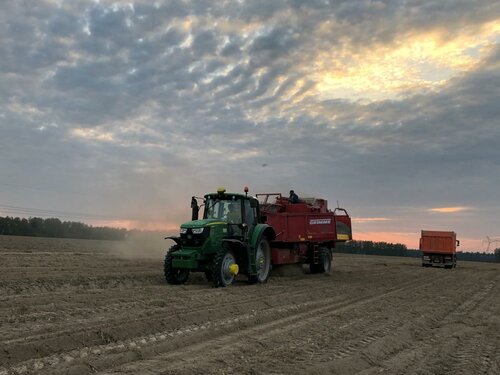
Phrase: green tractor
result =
(230, 239)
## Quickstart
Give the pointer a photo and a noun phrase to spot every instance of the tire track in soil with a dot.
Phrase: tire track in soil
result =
(80, 335)
(221, 347)
(474, 351)
(206, 305)
(26, 288)
(101, 326)
(369, 342)
(120, 345)
(450, 343)
(308, 313)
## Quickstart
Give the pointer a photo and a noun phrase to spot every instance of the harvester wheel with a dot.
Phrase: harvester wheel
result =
(262, 262)
(223, 267)
(173, 275)
(324, 262)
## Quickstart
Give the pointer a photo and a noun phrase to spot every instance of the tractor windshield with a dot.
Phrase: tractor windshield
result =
(226, 210)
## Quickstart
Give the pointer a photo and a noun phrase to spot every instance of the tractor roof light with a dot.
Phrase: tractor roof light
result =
(221, 190)
(245, 189)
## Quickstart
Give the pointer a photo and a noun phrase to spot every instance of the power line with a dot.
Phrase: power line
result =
(52, 189)
(18, 210)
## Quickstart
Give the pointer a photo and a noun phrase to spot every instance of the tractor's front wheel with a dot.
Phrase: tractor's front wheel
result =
(224, 268)
(262, 262)
(173, 275)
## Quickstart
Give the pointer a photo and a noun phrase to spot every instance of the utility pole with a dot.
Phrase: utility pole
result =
(489, 241)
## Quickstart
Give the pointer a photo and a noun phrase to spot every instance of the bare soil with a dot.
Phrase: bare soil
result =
(81, 307)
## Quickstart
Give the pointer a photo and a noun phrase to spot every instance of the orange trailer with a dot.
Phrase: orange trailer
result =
(439, 248)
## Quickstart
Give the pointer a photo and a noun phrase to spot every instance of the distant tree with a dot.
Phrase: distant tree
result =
(37, 226)
(53, 227)
(372, 248)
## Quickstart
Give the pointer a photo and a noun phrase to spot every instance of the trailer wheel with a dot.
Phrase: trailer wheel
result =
(262, 262)
(174, 276)
(223, 266)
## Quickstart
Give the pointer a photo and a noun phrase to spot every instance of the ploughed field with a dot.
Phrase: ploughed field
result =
(81, 307)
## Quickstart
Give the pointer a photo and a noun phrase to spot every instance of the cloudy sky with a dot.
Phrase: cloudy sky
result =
(117, 112)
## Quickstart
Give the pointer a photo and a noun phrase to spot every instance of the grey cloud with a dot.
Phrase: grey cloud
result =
(64, 24)
(154, 16)
(192, 116)
(233, 48)
(276, 42)
(106, 23)
(204, 42)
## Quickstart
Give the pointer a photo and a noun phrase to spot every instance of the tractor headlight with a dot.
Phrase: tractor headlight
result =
(183, 230)
(197, 230)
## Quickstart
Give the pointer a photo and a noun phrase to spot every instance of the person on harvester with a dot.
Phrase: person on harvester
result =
(293, 198)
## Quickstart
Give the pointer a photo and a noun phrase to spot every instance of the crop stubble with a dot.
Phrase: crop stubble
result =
(71, 306)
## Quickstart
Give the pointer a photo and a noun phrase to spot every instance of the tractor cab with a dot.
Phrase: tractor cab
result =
(238, 211)
(231, 208)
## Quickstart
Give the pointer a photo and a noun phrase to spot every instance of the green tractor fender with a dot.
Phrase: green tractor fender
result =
(258, 232)
(174, 238)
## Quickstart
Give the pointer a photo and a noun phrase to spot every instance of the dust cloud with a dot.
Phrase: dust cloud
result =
(142, 245)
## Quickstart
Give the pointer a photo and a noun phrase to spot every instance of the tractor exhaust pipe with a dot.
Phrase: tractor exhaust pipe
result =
(195, 209)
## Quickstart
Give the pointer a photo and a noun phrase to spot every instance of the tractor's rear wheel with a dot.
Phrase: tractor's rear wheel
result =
(174, 276)
(262, 262)
(223, 267)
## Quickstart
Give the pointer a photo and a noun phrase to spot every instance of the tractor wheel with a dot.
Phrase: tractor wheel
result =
(222, 272)
(262, 262)
(173, 275)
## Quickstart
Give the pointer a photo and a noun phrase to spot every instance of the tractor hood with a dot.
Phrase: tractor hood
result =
(201, 223)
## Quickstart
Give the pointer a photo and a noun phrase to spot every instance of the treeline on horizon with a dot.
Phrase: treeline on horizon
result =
(53, 227)
(400, 250)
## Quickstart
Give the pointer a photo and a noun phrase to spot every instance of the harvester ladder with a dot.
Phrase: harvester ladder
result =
(315, 254)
